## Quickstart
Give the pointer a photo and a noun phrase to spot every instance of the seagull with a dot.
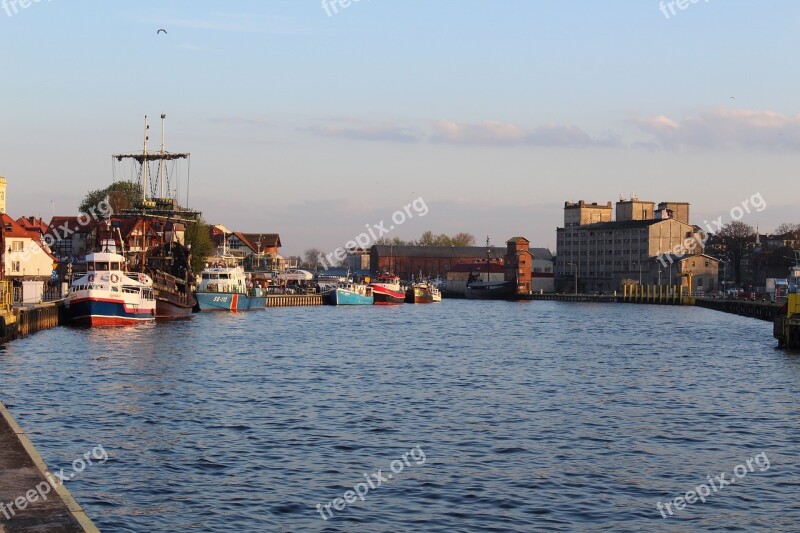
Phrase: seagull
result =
(162, 29)
(732, 98)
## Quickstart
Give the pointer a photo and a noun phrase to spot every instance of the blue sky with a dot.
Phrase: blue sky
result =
(494, 113)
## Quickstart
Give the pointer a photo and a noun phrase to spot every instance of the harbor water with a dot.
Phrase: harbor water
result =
(489, 416)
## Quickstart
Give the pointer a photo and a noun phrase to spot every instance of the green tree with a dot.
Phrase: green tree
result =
(198, 238)
(120, 195)
(463, 239)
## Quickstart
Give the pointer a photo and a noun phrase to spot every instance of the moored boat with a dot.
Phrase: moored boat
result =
(423, 293)
(387, 290)
(170, 268)
(490, 290)
(108, 296)
(348, 293)
(225, 288)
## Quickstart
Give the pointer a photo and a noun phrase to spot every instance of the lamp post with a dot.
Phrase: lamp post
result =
(575, 272)
(659, 276)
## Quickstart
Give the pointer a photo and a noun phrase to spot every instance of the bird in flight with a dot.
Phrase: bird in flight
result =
(162, 29)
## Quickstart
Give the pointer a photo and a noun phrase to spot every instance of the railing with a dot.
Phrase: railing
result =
(49, 294)
(6, 296)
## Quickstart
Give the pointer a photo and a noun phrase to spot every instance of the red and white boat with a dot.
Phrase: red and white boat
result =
(387, 290)
(108, 296)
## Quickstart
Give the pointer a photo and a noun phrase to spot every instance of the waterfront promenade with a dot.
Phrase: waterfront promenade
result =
(28, 502)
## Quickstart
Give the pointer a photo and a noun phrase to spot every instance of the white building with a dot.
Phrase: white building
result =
(24, 256)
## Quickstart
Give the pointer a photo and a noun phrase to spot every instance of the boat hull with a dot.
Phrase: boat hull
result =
(387, 296)
(230, 301)
(419, 295)
(168, 310)
(491, 291)
(108, 312)
(344, 297)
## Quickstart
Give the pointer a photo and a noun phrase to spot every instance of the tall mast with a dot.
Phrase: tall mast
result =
(145, 178)
(161, 161)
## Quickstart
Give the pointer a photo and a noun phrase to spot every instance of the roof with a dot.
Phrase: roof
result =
(516, 239)
(33, 224)
(477, 252)
(624, 224)
(268, 240)
(60, 224)
(11, 228)
(251, 240)
(542, 253)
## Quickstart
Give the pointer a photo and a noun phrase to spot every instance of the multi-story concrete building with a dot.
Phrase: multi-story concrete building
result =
(597, 253)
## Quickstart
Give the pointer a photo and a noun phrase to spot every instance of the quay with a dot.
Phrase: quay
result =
(762, 310)
(28, 502)
(293, 300)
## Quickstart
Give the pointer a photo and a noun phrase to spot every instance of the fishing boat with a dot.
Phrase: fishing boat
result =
(108, 296)
(423, 293)
(349, 293)
(387, 290)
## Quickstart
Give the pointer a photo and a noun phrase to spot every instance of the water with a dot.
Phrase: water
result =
(531, 416)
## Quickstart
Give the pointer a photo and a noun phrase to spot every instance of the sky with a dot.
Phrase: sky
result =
(317, 119)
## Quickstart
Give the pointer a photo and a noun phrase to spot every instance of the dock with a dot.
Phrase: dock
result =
(293, 300)
(762, 310)
(28, 501)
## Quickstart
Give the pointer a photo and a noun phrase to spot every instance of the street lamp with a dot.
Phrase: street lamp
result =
(575, 272)
(659, 276)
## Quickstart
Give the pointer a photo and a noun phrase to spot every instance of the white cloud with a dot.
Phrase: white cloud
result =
(725, 129)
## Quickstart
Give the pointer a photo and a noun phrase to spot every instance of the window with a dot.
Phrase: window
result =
(15, 266)
(16, 246)
(115, 265)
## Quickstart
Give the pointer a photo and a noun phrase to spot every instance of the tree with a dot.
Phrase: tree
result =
(197, 237)
(735, 239)
(120, 194)
(787, 227)
(396, 241)
(312, 258)
(463, 239)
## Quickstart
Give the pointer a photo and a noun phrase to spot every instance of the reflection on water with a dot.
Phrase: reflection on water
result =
(532, 416)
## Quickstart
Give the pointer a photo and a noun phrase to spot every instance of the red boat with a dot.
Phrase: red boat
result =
(387, 291)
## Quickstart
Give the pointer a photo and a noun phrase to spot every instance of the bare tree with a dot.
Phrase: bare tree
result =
(787, 227)
(736, 238)
(312, 258)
